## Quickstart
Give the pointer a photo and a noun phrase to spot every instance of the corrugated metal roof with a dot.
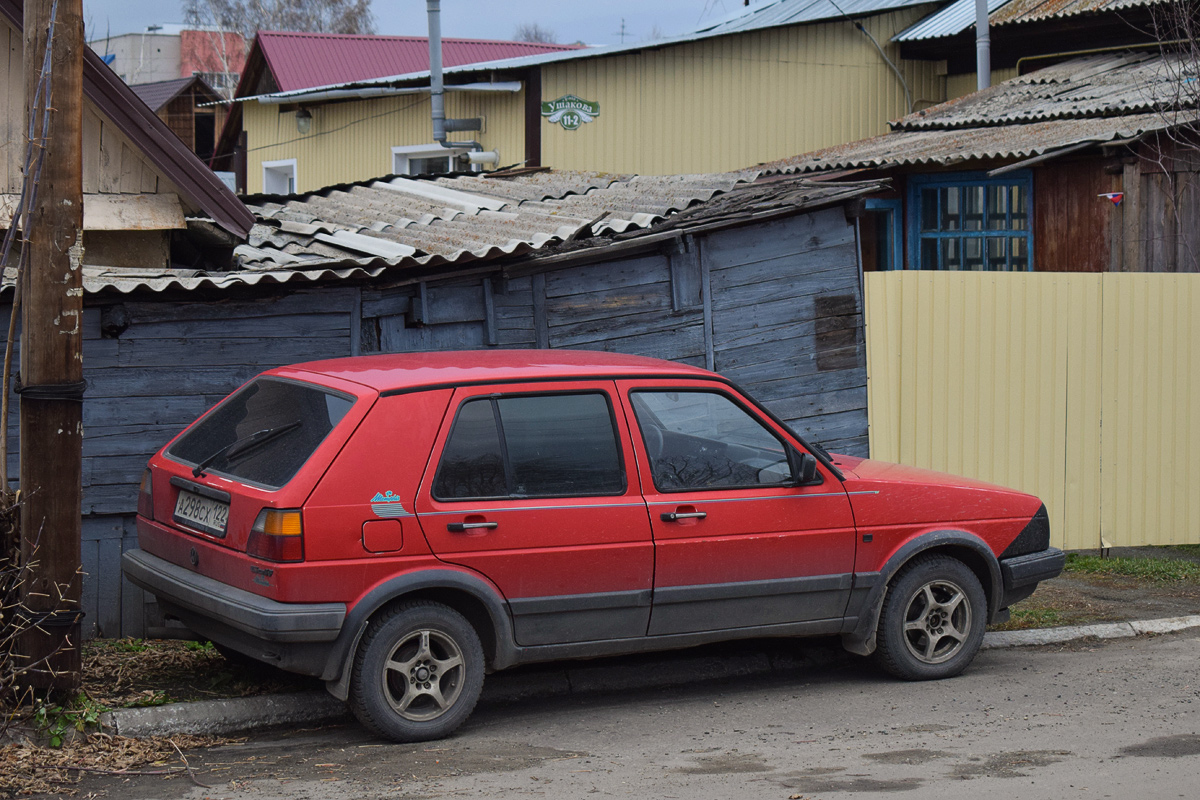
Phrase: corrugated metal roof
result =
(1101, 85)
(963, 145)
(1034, 10)
(793, 12)
(158, 94)
(953, 19)
(364, 230)
(764, 15)
(305, 60)
(960, 15)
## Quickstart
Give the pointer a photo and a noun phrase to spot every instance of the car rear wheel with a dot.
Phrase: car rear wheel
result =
(417, 673)
(932, 621)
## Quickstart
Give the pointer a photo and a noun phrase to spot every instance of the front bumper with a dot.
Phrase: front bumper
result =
(1022, 574)
(293, 636)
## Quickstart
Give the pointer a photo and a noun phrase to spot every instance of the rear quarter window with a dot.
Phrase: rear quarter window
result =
(264, 433)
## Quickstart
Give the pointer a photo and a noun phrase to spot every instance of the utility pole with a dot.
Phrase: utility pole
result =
(52, 355)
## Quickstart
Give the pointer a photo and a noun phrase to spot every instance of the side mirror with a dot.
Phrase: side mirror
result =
(806, 469)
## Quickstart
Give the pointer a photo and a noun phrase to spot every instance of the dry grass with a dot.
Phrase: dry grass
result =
(133, 672)
(27, 768)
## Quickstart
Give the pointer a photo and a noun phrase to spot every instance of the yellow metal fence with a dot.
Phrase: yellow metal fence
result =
(1081, 389)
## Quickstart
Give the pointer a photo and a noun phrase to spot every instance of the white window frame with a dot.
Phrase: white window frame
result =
(402, 156)
(278, 172)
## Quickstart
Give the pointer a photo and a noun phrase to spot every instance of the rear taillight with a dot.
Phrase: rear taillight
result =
(146, 496)
(277, 535)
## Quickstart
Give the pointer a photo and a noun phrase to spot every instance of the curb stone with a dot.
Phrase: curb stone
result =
(1111, 630)
(312, 708)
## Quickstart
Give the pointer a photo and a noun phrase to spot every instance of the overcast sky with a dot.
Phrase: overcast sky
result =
(571, 20)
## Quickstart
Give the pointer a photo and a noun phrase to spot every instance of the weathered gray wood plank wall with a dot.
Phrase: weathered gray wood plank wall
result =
(776, 307)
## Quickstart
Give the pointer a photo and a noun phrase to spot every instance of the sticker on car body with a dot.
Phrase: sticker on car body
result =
(388, 505)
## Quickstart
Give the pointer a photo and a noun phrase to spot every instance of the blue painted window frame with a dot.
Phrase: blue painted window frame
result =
(916, 183)
(895, 229)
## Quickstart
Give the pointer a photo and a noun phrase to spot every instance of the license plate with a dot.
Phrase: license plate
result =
(202, 513)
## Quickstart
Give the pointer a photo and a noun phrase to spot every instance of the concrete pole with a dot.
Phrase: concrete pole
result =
(52, 357)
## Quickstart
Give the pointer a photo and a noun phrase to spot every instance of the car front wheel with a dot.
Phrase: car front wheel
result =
(418, 673)
(932, 621)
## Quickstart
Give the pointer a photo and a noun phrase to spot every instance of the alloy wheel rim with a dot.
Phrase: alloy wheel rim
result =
(937, 622)
(423, 675)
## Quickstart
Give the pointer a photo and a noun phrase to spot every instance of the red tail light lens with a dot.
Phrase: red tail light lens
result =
(277, 535)
(146, 496)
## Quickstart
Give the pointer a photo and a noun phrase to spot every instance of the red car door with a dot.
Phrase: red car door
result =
(737, 543)
(532, 486)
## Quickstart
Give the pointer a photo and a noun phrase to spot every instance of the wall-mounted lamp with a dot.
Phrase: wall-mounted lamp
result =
(303, 120)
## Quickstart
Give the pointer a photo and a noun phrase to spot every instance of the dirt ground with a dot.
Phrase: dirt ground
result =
(1082, 599)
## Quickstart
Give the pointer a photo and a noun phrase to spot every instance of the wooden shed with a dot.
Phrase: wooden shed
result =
(759, 280)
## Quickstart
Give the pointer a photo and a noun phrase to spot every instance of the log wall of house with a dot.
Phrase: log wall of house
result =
(776, 307)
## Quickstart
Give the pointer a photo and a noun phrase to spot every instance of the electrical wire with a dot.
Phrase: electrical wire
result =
(903, 83)
(310, 136)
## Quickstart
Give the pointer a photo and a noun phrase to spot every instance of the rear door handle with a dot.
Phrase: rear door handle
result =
(675, 516)
(461, 527)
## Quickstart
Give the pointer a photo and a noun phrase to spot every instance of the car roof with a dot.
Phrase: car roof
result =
(402, 371)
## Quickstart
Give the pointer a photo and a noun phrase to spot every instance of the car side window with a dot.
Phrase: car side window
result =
(550, 445)
(704, 440)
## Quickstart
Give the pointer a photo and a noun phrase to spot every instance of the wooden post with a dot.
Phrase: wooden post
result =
(52, 357)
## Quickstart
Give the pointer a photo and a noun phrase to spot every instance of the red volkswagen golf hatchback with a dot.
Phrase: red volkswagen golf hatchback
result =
(401, 525)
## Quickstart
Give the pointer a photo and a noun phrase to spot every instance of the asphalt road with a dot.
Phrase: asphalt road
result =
(1117, 719)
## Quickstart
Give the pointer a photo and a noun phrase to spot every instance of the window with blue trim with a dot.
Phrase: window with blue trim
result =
(969, 221)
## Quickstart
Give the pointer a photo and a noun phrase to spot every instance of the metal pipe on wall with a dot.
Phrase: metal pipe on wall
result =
(437, 98)
(983, 46)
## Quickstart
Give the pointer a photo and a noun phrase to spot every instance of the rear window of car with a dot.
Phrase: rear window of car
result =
(265, 432)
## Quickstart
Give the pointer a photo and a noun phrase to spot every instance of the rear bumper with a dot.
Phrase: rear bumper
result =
(293, 636)
(1022, 574)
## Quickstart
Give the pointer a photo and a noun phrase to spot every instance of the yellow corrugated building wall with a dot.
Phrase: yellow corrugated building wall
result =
(1079, 388)
(711, 105)
(353, 140)
(734, 101)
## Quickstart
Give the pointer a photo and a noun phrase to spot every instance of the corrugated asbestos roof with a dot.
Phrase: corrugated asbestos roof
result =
(960, 15)
(305, 60)
(959, 145)
(461, 219)
(1099, 98)
(367, 229)
(1107, 84)
(1034, 10)
(763, 15)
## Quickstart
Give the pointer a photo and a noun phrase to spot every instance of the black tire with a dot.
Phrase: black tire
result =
(418, 672)
(933, 619)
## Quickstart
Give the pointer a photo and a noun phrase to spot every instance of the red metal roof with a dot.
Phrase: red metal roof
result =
(305, 60)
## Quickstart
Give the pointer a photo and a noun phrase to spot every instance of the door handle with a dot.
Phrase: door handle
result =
(461, 527)
(675, 516)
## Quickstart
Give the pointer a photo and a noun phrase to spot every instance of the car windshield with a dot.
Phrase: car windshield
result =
(264, 433)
